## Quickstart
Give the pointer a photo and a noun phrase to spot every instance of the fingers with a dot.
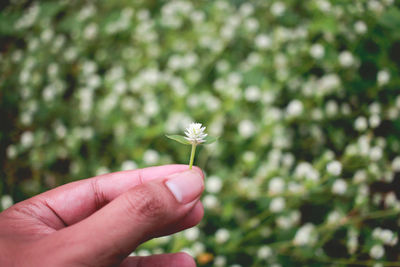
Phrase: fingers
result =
(163, 260)
(143, 212)
(191, 219)
(73, 202)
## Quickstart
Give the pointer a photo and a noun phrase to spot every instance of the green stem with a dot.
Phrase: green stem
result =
(192, 156)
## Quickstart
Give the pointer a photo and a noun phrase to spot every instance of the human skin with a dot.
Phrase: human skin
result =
(101, 220)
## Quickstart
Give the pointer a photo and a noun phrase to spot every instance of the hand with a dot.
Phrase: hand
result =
(101, 220)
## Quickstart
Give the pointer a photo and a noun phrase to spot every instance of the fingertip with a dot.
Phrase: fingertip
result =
(184, 259)
(200, 171)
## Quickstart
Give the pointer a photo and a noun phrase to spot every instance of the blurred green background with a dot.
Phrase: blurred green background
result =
(305, 96)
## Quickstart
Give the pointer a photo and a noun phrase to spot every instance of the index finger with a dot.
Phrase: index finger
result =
(75, 201)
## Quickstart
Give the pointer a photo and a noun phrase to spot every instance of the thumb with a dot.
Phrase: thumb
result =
(143, 212)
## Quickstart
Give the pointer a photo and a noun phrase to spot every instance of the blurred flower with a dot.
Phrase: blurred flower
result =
(210, 201)
(128, 165)
(346, 59)
(264, 252)
(151, 157)
(276, 186)
(277, 8)
(277, 204)
(317, 51)
(360, 27)
(192, 234)
(222, 235)
(295, 108)
(339, 187)
(334, 168)
(213, 184)
(305, 235)
(246, 128)
(377, 251)
(6, 201)
(383, 77)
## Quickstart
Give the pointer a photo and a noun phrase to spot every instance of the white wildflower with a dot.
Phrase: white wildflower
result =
(246, 128)
(317, 51)
(263, 41)
(305, 236)
(278, 8)
(195, 133)
(264, 252)
(277, 204)
(128, 165)
(360, 27)
(192, 234)
(346, 59)
(294, 108)
(339, 187)
(151, 157)
(396, 164)
(276, 186)
(383, 77)
(6, 201)
(374, 121)
(376, 153)
(361, 124)
(220, 261)
(213, 184)
(210, 202)
(377, 252)
(334, 168)
(222, 235)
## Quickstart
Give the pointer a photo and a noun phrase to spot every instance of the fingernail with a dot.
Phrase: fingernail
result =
(185, 186)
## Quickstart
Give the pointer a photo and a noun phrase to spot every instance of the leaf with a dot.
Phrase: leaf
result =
(209, 140)
(179, 138)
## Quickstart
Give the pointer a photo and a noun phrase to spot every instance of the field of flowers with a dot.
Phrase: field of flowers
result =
(304, 95)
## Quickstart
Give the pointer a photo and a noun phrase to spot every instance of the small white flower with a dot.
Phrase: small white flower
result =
(383, 77)
(317, 51)
(246, 128)
(195, 133)
(305, 235)
(377, 252)
(192, 234)
(376, 153)
(277, 204)
(263, 41)
(252, 93)
(210, 202)
(334, 168)
(339, 187)
(213, 184)
(295, 108)
(396, 164)
(264, 252)
(276, 186)
(27, 139)
(6, 201)
(374, 121)
(220, 261)
(360, 27)
(361, 124)
(360, 176)
(128, 165)
(278, 8)
(346, 59)
(222, 235)
(151, 157)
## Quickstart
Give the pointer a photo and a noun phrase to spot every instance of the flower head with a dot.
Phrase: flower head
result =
(195, 133)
